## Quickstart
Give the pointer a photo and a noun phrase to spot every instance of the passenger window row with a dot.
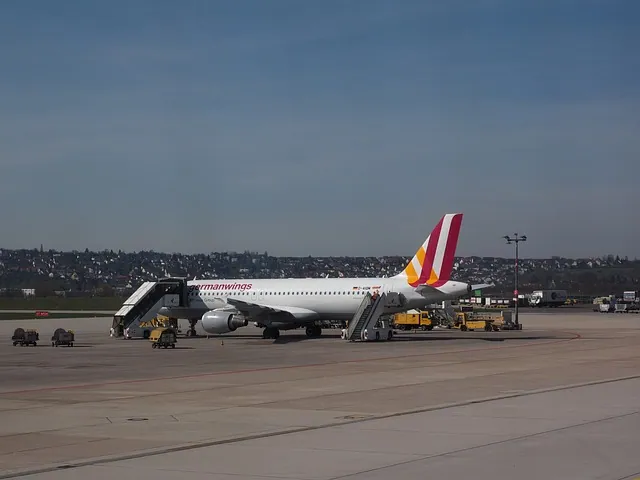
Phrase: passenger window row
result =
(358, 292)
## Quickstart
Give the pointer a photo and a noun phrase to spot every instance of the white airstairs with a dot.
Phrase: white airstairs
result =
(144, 304)
(368, 322)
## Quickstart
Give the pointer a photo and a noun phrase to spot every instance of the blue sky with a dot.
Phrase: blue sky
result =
(320, 128)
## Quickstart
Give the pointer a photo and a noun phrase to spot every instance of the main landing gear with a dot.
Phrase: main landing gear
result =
(270, 332)
(192, 327)
(314, 331)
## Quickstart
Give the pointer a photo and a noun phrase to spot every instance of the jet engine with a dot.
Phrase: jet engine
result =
(220, 321)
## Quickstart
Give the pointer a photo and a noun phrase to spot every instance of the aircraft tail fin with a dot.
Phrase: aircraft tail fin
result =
(433, 262)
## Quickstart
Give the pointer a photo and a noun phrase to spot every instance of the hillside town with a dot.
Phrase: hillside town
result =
(48, 272)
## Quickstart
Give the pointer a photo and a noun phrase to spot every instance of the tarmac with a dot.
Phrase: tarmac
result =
(559, 399)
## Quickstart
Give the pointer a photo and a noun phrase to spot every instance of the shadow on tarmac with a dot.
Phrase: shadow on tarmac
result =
(487, 338)
(418, 337)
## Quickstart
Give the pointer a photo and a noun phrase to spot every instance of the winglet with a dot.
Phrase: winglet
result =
(433, 262)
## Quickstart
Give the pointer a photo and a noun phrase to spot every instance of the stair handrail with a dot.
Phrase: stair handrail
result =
(366, 301)
(377, 310)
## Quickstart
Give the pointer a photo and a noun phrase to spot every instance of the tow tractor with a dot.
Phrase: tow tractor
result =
(163, 338)
(465, 321)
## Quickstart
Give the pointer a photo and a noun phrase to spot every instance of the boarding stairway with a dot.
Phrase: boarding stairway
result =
(147, 300)
(368, 314)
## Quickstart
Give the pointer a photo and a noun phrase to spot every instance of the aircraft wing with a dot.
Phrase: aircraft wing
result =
(256, 310)
(482, 286)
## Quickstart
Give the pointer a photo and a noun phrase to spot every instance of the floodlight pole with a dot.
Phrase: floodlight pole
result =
(516, 239)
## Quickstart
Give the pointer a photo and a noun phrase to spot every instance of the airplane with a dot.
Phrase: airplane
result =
(285, 304)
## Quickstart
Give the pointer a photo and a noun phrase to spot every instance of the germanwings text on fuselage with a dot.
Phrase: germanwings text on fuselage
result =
(221, 286)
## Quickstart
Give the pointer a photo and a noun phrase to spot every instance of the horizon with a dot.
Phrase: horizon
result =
(332, 127)
(261, 253)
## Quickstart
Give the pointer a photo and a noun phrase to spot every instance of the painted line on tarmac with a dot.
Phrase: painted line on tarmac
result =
(257, 436)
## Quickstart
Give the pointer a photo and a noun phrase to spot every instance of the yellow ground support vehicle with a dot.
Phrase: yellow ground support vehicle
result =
(160, 321)
(163, 338)
(466, 321)
(412, 319)
(156, 322)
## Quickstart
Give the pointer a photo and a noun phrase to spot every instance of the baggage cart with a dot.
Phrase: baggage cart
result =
(24, 337)
(62, 337)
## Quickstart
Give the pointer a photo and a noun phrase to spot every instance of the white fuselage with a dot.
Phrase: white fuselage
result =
(323, 298)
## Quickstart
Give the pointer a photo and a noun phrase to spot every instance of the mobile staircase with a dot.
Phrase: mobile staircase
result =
(145, 303)
(367, 315)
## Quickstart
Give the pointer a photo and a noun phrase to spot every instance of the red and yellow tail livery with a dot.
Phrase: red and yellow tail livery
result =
(433, 262)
